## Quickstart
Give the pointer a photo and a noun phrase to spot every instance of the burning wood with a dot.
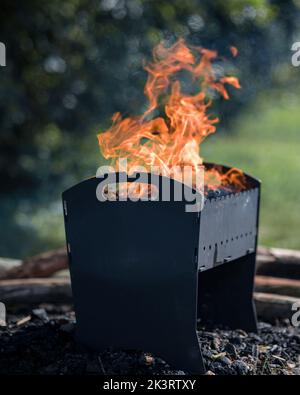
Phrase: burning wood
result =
(171, 142)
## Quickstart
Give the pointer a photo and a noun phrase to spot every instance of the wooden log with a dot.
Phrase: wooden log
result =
(7, 264)
(278, 262)
(274, 262)
(275, 285)
(33, 291)
(271, 307)
(29, 292)
(42, 265)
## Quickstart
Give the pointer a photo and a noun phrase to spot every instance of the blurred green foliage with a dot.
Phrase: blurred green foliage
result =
(71, 64)
(265, 142)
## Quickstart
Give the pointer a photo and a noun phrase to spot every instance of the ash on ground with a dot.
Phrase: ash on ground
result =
(41, 341)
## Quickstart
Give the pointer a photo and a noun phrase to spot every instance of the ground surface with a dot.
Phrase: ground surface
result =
(41, 342)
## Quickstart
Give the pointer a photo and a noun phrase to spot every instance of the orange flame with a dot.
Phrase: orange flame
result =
(175, 139)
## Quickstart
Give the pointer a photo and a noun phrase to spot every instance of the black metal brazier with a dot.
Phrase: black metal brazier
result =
(144, 272)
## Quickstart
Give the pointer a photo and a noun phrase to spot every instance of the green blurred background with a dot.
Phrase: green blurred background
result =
(71, 64)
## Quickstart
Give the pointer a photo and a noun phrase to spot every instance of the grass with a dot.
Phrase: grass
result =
(265, 142)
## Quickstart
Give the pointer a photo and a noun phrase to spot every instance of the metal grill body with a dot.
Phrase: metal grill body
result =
(144, 272)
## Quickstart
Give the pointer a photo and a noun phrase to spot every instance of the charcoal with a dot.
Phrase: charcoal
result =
(241, 367)
(217, 193)
(225, 361)
(41, 314)
(49, 348)
(236, 340)
(68, 328)
(231, 350)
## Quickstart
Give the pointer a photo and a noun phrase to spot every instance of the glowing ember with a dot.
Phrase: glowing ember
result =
(173, 140)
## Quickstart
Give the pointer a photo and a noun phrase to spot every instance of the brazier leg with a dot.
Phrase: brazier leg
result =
(154, 316)
(180, 350)
(184, 355)
(225, 295)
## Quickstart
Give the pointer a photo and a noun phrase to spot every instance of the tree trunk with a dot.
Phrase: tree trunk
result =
(30, 292)
(275, 285)
(278, 262)
(273, 262)
(33, 291)
(271, 307)
(42, 265)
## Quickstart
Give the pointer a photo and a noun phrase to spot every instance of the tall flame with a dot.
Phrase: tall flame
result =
(172, 140)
